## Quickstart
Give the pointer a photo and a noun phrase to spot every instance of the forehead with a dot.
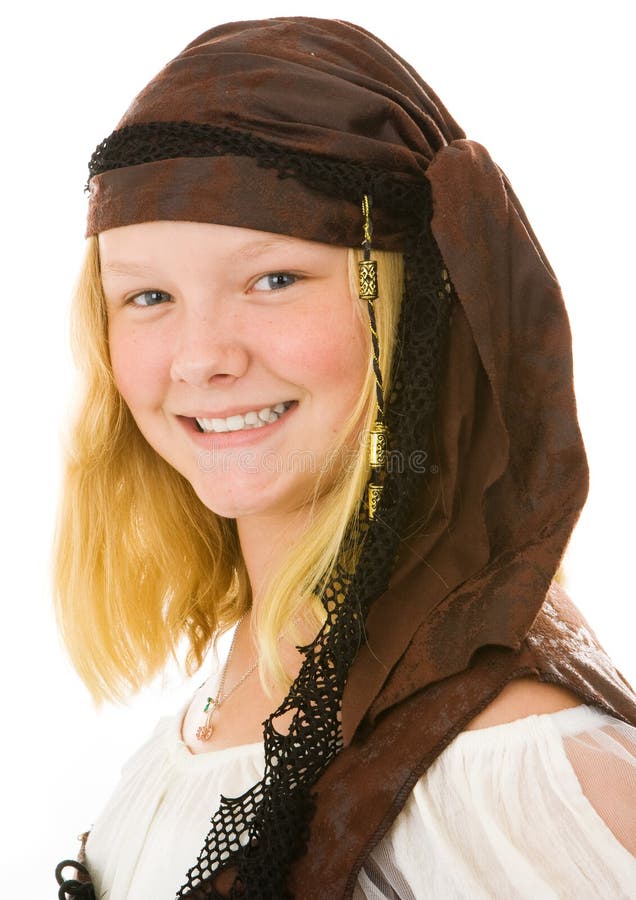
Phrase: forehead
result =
(132, 246)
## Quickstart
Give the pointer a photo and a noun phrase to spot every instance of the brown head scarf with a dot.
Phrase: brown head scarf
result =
(281, 125)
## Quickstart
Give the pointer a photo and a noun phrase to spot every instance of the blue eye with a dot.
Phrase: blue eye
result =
(150, 298)
(275, 281)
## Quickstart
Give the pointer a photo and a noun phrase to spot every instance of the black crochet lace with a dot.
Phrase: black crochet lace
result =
(255, 838)
(150, 142)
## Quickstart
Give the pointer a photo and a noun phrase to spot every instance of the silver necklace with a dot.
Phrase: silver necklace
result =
(206, 730)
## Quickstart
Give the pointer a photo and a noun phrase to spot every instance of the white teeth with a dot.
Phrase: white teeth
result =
(235, 423)
(252, 419)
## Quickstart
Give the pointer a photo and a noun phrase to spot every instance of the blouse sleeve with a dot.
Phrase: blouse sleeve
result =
(543, 807)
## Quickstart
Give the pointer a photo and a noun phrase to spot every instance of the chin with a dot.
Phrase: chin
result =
(242, 501)
(233, 503)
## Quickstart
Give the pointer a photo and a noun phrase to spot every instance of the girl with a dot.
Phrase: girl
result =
(329, 402)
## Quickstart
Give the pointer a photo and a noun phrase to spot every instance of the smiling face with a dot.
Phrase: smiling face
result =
(240, 354)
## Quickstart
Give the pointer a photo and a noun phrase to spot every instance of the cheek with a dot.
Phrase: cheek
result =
(343, 359)
(328, 351)
(138, 366)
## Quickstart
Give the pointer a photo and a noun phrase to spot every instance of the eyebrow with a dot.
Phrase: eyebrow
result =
(256, 248)
(117, 267)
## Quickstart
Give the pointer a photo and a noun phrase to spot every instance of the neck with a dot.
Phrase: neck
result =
(265, 542)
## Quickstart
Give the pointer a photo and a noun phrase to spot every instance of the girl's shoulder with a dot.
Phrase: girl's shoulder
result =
(523, 697)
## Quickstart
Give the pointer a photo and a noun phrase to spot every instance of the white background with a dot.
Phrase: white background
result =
(546, 86)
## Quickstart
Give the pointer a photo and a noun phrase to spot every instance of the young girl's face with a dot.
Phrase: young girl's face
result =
(240, 354)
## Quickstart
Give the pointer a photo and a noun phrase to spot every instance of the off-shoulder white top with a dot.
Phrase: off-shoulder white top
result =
(540, 808)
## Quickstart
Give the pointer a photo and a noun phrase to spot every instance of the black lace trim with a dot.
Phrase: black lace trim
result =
(256, 838)
(149, 142)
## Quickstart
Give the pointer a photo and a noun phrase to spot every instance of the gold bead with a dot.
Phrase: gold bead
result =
(375, 492)
(368, 279)
(378, 439)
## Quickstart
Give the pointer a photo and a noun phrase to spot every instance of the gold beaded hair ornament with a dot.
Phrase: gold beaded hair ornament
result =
(368, 290)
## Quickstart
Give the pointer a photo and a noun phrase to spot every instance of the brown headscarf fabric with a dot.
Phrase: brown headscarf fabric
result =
(466, 607)
(306, 85)
(512, 472)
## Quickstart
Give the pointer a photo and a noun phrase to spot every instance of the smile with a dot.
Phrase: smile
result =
(254, 419)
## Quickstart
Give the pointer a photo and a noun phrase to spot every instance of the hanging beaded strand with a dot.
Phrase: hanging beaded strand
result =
(368, 290)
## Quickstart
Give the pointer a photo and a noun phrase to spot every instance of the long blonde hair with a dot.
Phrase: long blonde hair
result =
(141, 564)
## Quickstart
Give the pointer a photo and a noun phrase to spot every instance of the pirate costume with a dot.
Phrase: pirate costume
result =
(317, 129)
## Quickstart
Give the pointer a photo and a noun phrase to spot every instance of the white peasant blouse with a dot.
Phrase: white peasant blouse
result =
(536, 809)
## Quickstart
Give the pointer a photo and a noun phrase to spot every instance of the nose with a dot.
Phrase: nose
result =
(209, 348)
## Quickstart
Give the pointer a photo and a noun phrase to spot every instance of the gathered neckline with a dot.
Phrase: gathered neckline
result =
(183, 752)
(565, 720)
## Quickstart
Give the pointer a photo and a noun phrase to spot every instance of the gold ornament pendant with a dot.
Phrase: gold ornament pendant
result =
(205, 731)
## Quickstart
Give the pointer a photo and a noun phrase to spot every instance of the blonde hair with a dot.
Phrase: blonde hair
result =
(141, 564)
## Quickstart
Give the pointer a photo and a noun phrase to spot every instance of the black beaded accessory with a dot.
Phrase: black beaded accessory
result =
(368, 290)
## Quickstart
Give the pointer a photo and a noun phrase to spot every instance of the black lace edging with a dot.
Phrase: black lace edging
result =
(259, 835)
(147, 142)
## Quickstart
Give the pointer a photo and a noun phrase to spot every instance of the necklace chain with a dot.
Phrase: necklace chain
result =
(205, 731)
